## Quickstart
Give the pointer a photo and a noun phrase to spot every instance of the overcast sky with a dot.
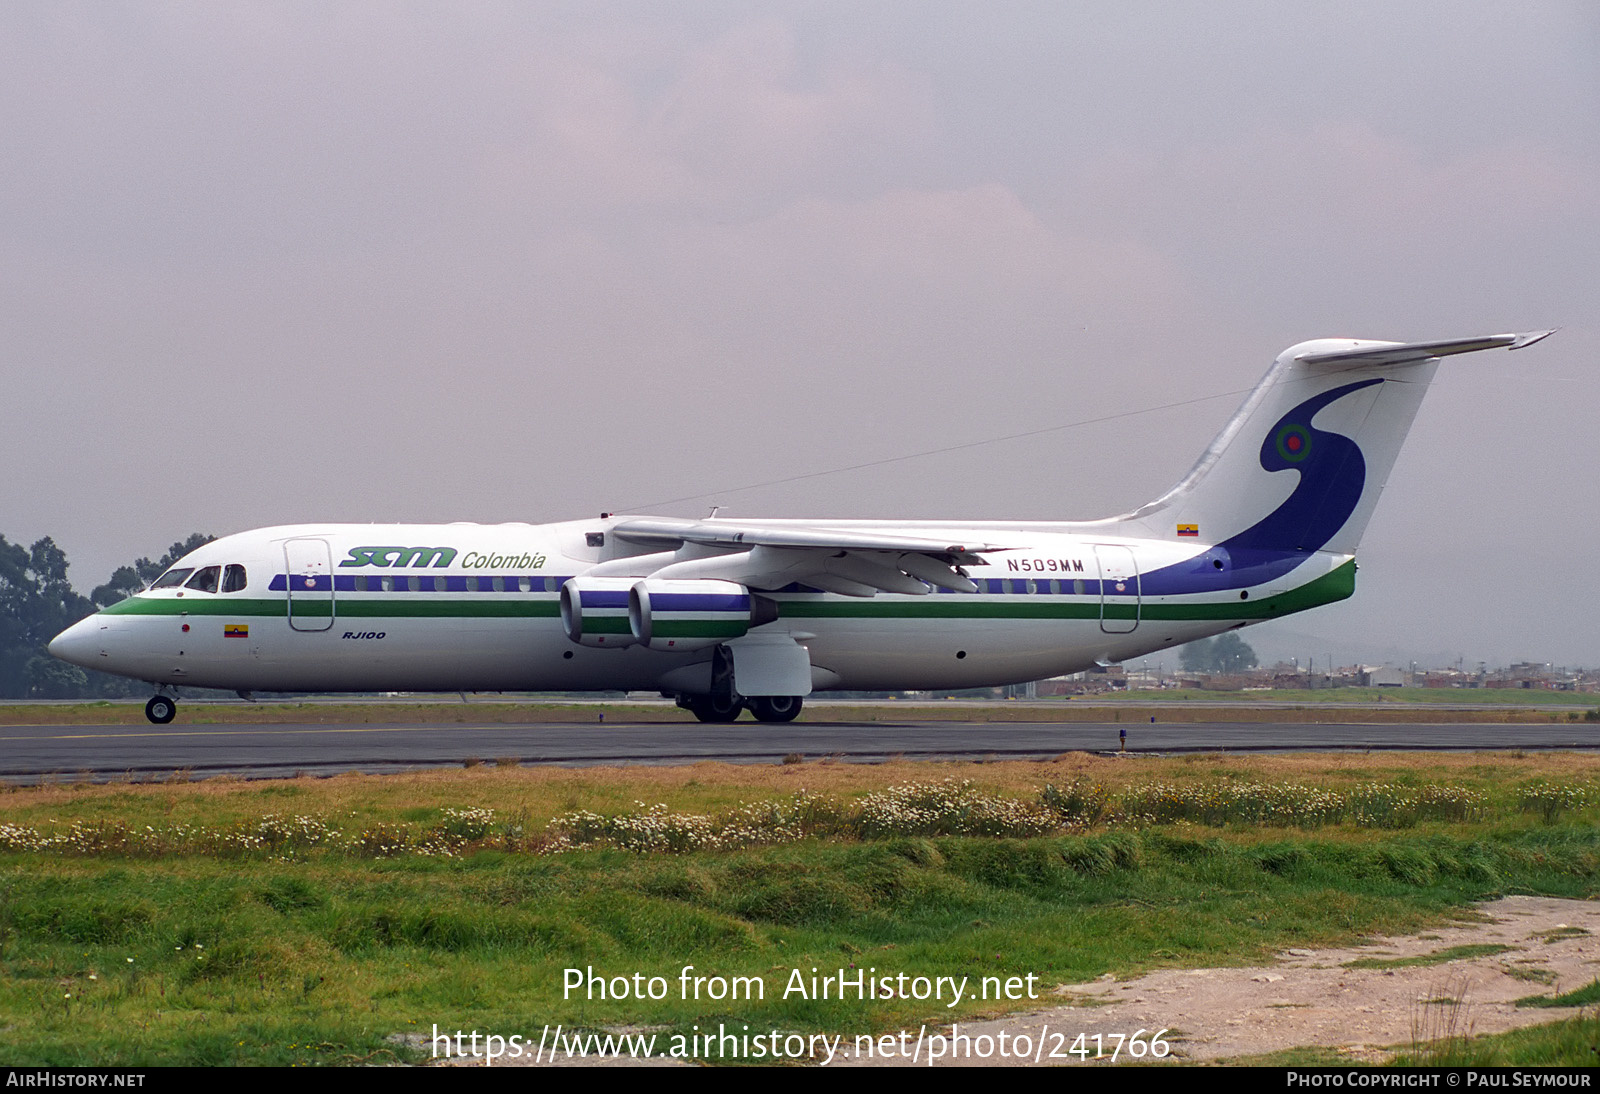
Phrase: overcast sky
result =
(268, 263)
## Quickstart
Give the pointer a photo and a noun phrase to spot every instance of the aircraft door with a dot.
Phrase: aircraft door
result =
(310, 583)
(1119, 588)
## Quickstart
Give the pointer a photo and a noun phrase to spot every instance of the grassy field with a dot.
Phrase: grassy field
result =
(311, 921)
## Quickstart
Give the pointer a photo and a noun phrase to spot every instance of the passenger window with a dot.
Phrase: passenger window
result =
(205, 581)
(172, 578)
(233, 579)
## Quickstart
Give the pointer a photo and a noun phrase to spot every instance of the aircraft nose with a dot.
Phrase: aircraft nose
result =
(79, 644)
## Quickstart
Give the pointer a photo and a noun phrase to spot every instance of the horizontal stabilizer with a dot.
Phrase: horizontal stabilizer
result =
(1396, 353)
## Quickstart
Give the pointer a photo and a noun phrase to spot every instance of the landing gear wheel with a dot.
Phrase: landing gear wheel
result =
(708, 709)
(775, 708)
(161, 710)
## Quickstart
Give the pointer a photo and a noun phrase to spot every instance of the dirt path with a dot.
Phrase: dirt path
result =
(1311, 998)
(1541, 946)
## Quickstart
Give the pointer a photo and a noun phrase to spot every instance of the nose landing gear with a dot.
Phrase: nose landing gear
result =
(161, 710)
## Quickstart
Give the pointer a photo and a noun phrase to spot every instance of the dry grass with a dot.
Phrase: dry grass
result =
(547, 791)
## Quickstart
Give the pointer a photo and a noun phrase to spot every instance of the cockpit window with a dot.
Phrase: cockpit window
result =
(233, 579)
(172, 577)
(204, 581)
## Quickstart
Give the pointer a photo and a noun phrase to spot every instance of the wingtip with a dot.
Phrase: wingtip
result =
(1528, 338)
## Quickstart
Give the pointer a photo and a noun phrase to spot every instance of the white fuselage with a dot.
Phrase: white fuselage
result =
(360, 608)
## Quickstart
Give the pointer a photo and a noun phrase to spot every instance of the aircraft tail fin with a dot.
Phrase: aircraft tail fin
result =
(1333, 410)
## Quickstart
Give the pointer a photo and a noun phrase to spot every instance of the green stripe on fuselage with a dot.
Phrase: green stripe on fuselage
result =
(345, 607)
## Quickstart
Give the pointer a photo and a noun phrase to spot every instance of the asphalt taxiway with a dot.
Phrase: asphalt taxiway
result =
(34, 753)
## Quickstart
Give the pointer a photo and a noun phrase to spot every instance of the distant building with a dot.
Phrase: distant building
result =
(1383, 676)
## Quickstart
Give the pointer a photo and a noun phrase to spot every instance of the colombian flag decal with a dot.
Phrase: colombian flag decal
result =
(236, 630)
(1188, 529)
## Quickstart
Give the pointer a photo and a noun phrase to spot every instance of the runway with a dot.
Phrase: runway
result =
(33, 753)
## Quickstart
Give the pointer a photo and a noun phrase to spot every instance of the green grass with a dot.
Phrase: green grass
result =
(1571, 1043)
(321, 960)
(308, 950)
(1533, 973)
(1585, 996)
(1438, 957)
(1560, 933)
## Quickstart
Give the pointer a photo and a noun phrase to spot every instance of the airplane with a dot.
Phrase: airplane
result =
(726, 615)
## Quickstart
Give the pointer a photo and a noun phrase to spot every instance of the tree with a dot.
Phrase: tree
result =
(37, 602)
(1231, 654)
(52, 679)
(1196, 656)
(1226, 654)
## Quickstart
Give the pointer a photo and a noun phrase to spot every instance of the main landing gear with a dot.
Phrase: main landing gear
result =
(775, 708)
(711, 708)
(723, 703)
(161, 710)
(766, 708)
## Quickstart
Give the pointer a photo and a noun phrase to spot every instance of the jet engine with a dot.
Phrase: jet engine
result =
(594, 611)
(677, 615)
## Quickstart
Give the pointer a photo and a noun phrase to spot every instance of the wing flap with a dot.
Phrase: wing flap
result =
(850, 562)
(665, 531)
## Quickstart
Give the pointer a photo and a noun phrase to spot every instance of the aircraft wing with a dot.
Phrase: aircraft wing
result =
(1394, 353)
(853, 562)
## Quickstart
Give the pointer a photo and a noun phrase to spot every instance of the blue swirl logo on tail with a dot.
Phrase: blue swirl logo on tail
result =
(1333, 474)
